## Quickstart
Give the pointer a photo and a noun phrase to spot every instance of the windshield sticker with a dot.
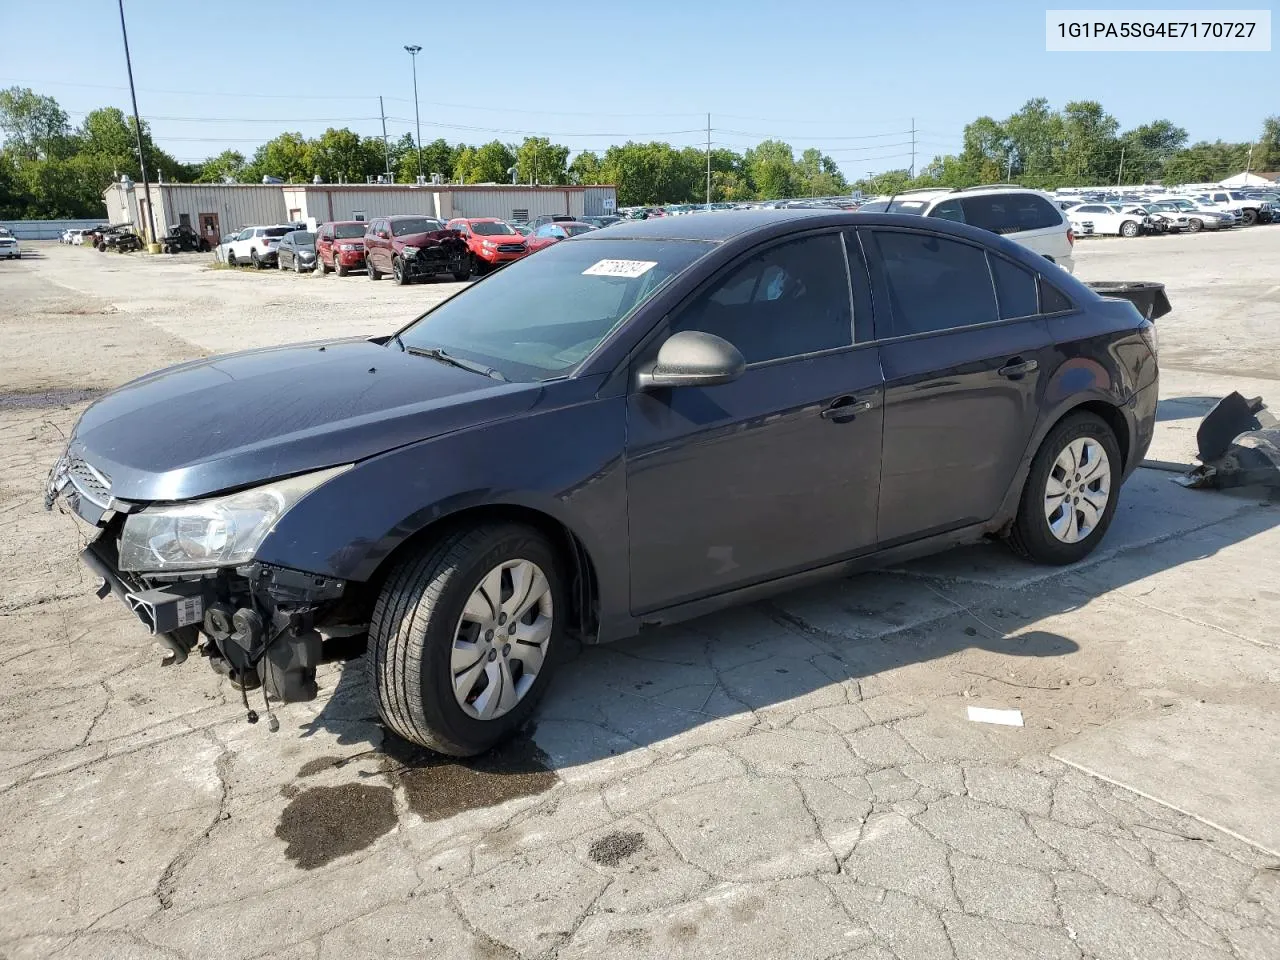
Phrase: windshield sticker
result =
(629, 269)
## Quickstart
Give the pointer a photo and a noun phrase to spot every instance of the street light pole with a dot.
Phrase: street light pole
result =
(414, 50)
(137, 127)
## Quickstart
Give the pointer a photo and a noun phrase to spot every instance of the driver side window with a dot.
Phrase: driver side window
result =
(791, 300)
(245, 234)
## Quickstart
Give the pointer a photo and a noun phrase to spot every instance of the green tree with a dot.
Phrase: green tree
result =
(585, 168)
(488, 163)
(286, 156)
(343, 155)
(538, 160)
(34, 126)
(773, 170)
(229, 164)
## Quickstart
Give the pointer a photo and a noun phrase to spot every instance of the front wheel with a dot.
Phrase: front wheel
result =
(464, 637)
(255, 260)
(1194, 225)
(398, 271)
(1249, 217)
(463, 272)
(373, 271)
(1128, 229)
(1071, 492)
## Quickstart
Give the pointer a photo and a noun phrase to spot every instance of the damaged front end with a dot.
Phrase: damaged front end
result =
(442, 251)
(186, 570)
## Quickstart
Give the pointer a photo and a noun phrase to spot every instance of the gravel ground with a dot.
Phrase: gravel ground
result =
(797, 778)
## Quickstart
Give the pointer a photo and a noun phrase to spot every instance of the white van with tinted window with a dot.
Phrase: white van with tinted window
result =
(1029, 217)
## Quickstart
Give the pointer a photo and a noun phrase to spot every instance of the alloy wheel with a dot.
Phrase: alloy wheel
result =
(1077, 490)
(501, 640)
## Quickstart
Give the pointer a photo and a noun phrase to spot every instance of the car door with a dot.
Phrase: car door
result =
(376, 244)
(243, 243)
(323, 245)
(964, 352)
(778, 470)
(284, 251)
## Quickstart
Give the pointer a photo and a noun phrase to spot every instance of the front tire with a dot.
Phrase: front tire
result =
(255, 260)
(373, 272)
(399, 272)
(1071, 492)
(465, 635)
(1195, 226)
(464, 273)
(1249, 217)
(1129, 229)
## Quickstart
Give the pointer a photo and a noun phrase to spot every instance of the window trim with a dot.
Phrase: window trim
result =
(1035, 278)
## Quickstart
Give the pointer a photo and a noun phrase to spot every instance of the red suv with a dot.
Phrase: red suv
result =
(412, 247)
(492, 242)
(340, 246)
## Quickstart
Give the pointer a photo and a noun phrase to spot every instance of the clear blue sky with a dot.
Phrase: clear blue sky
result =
(847, 77)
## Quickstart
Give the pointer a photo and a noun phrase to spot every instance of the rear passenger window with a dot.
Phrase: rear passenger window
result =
(1015, 288)
(948, 210)
(791, 300)
(1010, 212)
(935, 283)
(1052, 300)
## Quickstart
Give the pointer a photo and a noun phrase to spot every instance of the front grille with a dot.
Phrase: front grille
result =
(94, 485)
(511, 248)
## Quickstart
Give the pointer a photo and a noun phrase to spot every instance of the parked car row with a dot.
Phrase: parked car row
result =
(10, 249)
(1129, 215)
(406, 247)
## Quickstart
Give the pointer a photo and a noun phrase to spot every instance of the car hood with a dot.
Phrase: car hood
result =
(429, 239)
(233, 421)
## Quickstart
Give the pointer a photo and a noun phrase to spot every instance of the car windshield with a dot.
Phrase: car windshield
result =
(493, 229)
(402, 228)
(573, 229)
(349, 231)
(538, 318)
(304, 239)
(276, 231)
(917, 207)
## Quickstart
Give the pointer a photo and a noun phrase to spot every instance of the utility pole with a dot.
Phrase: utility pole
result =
(386, 149)
(414, 50)
(913, 148)
(1120, 175)
(137, 128)
(708, 158)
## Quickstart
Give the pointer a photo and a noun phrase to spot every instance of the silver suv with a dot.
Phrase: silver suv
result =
(1028, 216)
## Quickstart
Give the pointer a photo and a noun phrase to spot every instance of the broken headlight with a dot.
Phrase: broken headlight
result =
(219, 532)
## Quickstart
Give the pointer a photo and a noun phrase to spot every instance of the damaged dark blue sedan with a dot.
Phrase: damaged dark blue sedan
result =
(633, 427)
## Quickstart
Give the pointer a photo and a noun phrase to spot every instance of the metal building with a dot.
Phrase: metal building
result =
(216, 209)
(211, 209)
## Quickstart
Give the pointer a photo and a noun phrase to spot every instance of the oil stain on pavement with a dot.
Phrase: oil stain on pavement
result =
(323, 823)
(437, 787)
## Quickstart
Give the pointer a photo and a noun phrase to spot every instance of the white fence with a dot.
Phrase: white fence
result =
(45, 229)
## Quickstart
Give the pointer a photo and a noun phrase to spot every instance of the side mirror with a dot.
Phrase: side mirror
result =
(692, 358)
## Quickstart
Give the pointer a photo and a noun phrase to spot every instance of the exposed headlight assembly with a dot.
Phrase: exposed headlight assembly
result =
(218, 532)
(410, 251)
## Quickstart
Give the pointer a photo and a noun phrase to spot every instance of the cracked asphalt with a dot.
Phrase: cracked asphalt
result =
(798, 778)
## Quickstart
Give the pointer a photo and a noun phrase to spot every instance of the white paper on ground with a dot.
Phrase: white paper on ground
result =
(1009, 718)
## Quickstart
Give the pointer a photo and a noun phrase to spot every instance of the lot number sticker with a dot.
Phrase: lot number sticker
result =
(629, 269)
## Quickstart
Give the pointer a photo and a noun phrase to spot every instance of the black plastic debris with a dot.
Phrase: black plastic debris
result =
(1147, 296)
(1230, 417)
(1239, 446)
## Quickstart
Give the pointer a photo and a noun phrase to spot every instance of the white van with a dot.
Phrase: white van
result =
(1030, 217)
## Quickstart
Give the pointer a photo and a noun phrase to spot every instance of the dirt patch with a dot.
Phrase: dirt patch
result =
(611, 849)
(319, 765)
(324, 823)
(437, 787)
(42, 399)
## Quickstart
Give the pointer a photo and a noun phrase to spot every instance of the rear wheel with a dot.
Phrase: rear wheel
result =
(463, 637)
(1071, 492)
(1128, 229)
(1195, 225)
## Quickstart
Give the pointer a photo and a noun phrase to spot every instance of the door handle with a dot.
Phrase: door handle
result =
(1017, 367)
(843, 409)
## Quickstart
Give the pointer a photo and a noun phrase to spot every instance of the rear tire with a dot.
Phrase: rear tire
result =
(418, 631)
(1033, 533)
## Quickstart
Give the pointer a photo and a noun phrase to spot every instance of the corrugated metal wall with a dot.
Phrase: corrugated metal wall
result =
(238, 205)
(597, 201)
(343, 203)
(45, 229)
(509, 202)
(121, 204)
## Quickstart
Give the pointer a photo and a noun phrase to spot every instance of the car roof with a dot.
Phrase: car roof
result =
(717, 226)
(409, 216)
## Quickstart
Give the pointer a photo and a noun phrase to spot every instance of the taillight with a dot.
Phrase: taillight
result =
(1071, 237)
